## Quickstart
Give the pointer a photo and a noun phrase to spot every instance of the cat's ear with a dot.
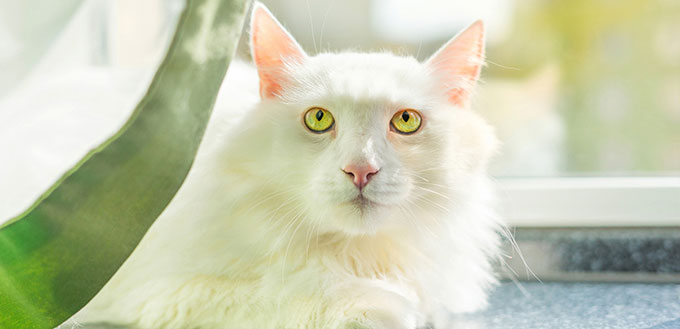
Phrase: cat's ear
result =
(272, 47)
(459, 63)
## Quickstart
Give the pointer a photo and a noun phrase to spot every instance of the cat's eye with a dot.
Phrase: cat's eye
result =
(319, 120)
(406, 121)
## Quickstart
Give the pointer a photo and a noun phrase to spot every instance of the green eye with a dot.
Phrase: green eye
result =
(319, 120)
(406, 121)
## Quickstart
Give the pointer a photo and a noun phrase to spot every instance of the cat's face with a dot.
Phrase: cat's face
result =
(370, 141)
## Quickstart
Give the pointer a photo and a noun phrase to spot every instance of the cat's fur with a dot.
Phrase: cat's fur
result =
(267, 233)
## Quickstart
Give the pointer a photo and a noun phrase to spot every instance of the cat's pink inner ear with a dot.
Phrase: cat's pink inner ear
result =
(459, 63)
(272, 46)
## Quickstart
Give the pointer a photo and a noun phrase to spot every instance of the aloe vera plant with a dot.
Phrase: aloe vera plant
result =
(61, 251)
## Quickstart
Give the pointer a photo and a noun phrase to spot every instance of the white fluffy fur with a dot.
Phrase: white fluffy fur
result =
(263, 233)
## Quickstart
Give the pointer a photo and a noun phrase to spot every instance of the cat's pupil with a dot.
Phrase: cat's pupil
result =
(405, 116)
(319, 115)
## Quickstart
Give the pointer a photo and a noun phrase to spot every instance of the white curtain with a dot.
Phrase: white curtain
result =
(71, 73)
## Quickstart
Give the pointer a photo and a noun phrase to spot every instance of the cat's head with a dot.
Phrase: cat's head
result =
(366, 142)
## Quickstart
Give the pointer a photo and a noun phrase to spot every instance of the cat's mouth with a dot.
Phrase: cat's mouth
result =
(362, 202)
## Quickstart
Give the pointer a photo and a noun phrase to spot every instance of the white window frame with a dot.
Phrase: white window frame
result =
(591, 201)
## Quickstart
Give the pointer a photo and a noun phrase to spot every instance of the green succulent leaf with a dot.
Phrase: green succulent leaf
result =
(59, 253)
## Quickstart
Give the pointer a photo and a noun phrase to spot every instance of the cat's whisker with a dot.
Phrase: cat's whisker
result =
(412, 174)
(507, 267)
(442, 186)
(276, 249)
(511, 238)
(411, 217)
(318, 226)
(323, 23)
(282, 204)
(300, 221)
(285, 203)
(433, 192)
(266, 198)
(420, 45)
(437, 168)
(513, 277)
(273, 214)
(436, 219)
(288, 224)
(271, 195)
(311, 26)
(310, 234)
(424, 198)
(502, 66)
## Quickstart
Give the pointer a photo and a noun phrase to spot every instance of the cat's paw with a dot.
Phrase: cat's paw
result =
(376, 319)
(355, 325)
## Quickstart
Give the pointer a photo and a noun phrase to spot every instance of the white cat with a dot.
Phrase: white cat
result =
(349, 192)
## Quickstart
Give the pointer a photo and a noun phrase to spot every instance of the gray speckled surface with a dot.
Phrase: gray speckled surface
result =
(568, 306)
(580, 306)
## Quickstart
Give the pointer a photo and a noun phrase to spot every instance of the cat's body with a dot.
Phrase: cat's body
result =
(269, 232)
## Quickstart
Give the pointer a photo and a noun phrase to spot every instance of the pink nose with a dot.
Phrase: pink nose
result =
(361, 174)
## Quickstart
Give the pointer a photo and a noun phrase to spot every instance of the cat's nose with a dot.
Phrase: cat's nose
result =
(360, 174)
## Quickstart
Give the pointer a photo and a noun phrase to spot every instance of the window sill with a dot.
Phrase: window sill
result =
(591, 201)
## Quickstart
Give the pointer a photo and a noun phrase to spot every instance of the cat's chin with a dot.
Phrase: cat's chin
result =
(361, 215)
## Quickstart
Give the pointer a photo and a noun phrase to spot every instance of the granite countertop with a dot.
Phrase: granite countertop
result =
(579, 305)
